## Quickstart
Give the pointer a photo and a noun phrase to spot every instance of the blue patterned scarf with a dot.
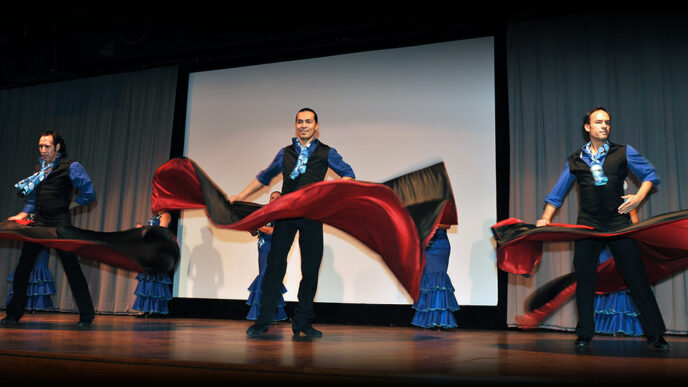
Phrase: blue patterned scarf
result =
(304, 153)
(595, 162)
(26, 186)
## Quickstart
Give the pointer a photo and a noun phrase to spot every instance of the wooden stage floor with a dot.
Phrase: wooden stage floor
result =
(126, 350)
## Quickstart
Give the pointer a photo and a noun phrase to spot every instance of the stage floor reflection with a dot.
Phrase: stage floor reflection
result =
(127, 349)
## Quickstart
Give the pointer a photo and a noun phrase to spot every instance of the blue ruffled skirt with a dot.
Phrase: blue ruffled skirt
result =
(615, 313)
(255, 288)
(152, 293)
(41, 285)
(436, 303)
(254, 301)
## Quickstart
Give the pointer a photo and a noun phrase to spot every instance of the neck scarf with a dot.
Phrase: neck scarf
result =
(304, 153)
(595, 162)
(26, 186)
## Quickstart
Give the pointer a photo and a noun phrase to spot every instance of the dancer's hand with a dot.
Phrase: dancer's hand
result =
(630, 202)
(20, 216)
(542, 222)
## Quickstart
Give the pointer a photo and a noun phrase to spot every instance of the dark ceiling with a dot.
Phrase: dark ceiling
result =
(44, 45)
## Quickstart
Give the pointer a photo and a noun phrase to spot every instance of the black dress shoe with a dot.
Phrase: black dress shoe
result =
(658, 343)
(257, 330)
(9, 320)
(309, 331)
(86, 320)
(583, 342)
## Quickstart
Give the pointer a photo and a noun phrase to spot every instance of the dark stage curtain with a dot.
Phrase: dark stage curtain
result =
(558, 69)
(119, 127)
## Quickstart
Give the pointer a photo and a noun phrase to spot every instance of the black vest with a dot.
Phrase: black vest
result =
(598, 205)
(54, 194)
(316, 168)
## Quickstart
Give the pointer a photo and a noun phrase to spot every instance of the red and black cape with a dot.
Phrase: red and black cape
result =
(396, 219)
(663, 242)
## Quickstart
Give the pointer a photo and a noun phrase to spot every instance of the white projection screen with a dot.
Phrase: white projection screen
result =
(387, 112)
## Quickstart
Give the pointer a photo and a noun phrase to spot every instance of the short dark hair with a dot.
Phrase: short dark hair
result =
(307, 110)
(586, 120)
(57, 139)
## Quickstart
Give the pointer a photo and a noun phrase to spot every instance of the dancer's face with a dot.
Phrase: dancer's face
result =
(306, 127)
(599, 127)
(47, 149)
(274, 196)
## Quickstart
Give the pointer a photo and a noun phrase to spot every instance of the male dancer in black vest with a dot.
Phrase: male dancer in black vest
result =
(600, 168)
(303, 162)
(48, 195)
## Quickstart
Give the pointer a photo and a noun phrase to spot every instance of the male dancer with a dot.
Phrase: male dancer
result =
(303, 162)
(48, 193)
(600, 168)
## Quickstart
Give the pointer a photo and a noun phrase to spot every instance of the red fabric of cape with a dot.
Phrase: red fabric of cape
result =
(663, 242)
(370, 212)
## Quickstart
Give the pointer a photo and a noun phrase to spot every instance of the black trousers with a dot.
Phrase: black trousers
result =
(626, 253)
(311, 247)
(70, 264)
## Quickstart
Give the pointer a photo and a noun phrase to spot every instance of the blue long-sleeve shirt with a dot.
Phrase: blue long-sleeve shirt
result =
(80, 180)
(640, 167)
(334, 160)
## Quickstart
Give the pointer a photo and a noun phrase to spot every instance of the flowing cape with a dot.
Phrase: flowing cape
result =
(149, 249)
(395, 219)
(663, 242)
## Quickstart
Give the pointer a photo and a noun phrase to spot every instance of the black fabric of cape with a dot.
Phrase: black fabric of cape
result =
(149, 249)
(396, 219)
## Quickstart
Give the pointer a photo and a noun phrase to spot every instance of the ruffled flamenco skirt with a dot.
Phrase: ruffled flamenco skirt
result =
(256, 286)
(41, 285)
(616, 314)
(436, 304)
(152, 293)
(254, 301)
